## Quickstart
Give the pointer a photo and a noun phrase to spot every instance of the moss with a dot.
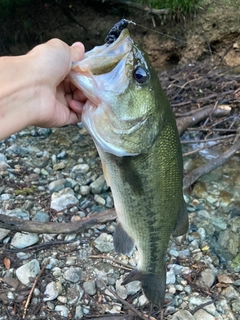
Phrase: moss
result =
(25, 191)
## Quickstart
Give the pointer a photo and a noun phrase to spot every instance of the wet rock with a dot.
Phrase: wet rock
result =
(62, 199)
(28, 270)
(104, 242)
(24, 240)
(90, 287)
(183, 315)
(97, 185)
(72, 274)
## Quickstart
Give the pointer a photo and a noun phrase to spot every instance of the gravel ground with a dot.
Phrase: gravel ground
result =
(43, 182)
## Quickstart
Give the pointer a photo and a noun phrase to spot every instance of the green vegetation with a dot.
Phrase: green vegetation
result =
(25, 191)
(183, 6)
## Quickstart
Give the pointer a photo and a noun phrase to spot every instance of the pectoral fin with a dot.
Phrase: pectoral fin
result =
(131, 176)
(181, 225)
(123, 243)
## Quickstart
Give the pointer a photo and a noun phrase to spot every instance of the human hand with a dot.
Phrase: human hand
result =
(58, 102)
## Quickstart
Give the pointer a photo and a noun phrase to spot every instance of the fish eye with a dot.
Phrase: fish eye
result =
(140, 75)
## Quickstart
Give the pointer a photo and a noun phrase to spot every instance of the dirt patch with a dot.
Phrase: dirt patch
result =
(212, 34)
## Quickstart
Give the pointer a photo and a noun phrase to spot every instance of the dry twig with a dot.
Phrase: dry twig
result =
(33, 287)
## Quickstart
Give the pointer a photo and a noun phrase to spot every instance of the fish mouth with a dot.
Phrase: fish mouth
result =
(102, 59)
(102, 75)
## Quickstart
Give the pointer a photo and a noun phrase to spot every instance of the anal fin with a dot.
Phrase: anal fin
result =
(123, 243)
(181, 225)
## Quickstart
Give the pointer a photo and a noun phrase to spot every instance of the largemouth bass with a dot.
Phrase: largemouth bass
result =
(132, 124)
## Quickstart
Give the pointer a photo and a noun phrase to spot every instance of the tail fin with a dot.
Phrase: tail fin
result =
(153, 285)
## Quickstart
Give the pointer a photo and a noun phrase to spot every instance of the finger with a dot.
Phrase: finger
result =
(77, 51)
(76, 106)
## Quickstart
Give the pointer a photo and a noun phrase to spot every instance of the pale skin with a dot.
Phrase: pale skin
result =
(34, 89)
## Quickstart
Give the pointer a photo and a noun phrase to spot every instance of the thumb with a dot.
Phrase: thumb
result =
(77, 51)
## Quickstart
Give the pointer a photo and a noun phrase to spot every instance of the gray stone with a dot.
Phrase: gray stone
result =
(202, 314)
(3, 158)
(19, 213)
(78, 312)
(84, 190)
(208, 277)
(6, 196)
(133, 287)
(97, 185)
(223, 307)
(62, 155)
(99, 200)
(59, 166)
(3, 233)
(62, 310)
(24, 240)
(60, 200)
(230, 293)
(51, 291)
(235, 306)
(41, 216)
(104, 242)
(74, 293)
(56, 185)
(72, 274)
(70, 183)
(183, 315)
(30, 269)
(90, 287)
(121, 290)
(82, 167)
(14, 149)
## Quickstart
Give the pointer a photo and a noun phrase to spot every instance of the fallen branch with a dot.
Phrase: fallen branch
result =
(139, 6)
(21, 225)
(200, 115)
(211, 165)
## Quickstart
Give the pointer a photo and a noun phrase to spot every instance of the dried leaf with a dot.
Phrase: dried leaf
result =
(225, 278)
(7, 263)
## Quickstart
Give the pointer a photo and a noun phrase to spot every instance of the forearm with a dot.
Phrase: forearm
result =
(18, 91)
